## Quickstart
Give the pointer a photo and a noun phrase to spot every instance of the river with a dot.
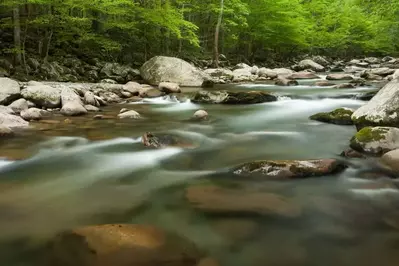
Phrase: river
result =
(81, 171)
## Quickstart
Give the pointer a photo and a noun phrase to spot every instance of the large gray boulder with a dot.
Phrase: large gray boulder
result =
(171, 69)
(9, 90)
(382, 109)
(310, 64)
(71, 103)
(43, 95)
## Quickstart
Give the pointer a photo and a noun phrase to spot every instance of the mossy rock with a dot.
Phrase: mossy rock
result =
(376, 140)
(340, 116)
(289, 169)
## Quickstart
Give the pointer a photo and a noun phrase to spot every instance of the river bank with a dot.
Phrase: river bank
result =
(196, 178)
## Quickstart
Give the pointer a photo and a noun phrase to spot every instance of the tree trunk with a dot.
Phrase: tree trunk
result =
(217, 30)
(46, 44)
(17, 36)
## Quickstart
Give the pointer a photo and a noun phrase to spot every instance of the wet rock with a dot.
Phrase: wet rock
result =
(129, 114)
(370, 76)
(218, 200)
(367, 96)
(19, 105)
(152, 93)
(267, 73)
(381, 110)
(339, 77)
(121, 245)
(345, 86)
(91, 108)
(289, 169)
(163, 140)
(340, 116)
(5, 131)
(42, 95)
(170, 69)
(281, 81)
(9, 91)
(324, 84)
(229, 97)
(303, 75)
(351, 153)
(310, 64)
(32, 114)
(391, 159)
(376, 140)
(200, 115)
(169, 87)
(90, 99)
(12, 121)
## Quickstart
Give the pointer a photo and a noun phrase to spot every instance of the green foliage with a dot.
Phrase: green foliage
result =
(254, 29)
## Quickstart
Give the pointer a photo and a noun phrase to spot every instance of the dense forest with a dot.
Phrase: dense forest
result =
(131, 31)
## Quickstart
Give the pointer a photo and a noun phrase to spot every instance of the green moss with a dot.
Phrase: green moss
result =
(369, 134)
(339, 116)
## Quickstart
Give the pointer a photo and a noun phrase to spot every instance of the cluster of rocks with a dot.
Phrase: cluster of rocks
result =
(69, 69)
(356, 71)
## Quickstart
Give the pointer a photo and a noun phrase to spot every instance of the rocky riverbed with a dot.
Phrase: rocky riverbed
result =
(299, 161)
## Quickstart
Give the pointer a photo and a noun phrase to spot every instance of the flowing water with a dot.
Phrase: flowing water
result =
(83, 171)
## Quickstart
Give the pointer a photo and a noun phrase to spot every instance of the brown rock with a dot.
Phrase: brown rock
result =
(152, 93)
(339, 77)
(351, 153)
(303, 75)
(345, 86)
(121, 245)
(212, 199)
(324, 84)
(290, 169)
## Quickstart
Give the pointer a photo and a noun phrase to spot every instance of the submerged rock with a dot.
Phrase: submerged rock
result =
(351, 153)
(9, 91)
(340, 116)
(376, 140)
(289, 169)
(381, 110)
(218, 200)
(324, 84)
(163, 140)
(121, 245)
(170, 69)
(230, 97)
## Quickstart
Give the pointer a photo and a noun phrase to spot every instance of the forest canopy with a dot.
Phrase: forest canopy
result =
(252, 30)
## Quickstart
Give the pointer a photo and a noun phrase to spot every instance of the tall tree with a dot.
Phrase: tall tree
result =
(217, 30)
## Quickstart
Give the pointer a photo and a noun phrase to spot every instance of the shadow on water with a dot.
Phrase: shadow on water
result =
(106, 175)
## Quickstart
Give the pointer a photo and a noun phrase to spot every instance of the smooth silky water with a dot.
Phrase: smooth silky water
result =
(81, 171)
